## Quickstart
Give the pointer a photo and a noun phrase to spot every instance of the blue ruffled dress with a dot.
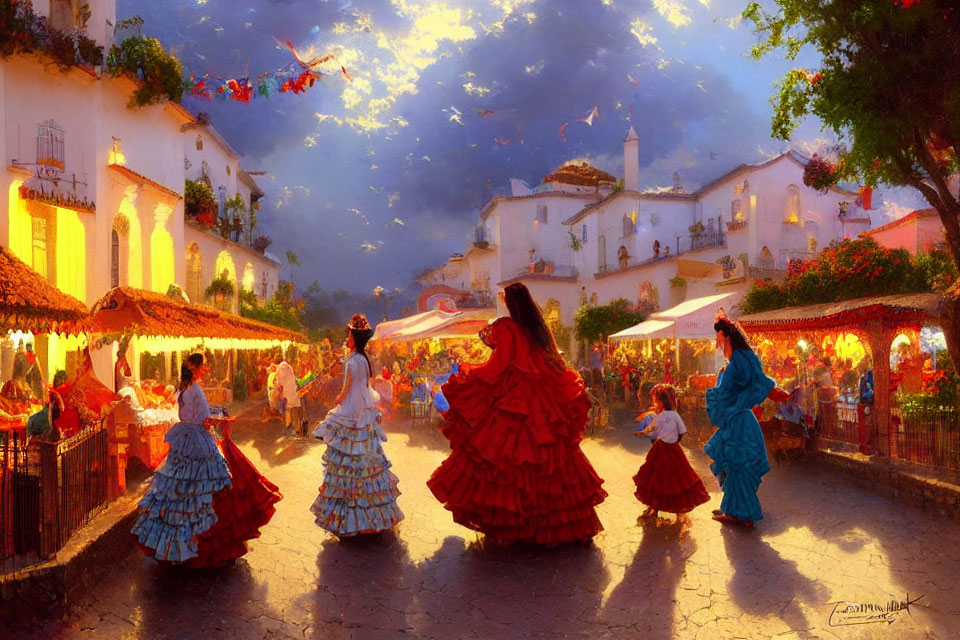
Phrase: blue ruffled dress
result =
(737, 448)
(178, 505)
(359, 492)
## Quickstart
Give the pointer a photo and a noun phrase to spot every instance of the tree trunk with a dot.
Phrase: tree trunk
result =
(951, 323)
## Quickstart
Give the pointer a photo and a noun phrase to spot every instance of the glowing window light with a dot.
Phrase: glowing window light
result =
(900, 341)
(71, 251)
(132, 235)
(20, 224)
(161, 259)
(249, 278)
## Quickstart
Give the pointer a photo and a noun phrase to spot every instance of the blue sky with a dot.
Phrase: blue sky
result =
(371, 179)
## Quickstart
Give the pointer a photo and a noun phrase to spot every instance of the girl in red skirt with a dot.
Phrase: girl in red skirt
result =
(666, 481)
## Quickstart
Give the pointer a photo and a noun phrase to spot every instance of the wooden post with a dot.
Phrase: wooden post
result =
(880, 338)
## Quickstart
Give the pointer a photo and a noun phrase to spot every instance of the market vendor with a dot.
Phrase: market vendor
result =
(286, 380)
(865, 407)
(16, 388)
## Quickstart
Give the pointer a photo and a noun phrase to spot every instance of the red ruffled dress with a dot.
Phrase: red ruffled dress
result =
(242, 509)
(665, 480)
(516, 472)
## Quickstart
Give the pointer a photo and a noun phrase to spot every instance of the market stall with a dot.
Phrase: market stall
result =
(855, 366)
(161, 331)
(418, 353)
(675, 345)
(52, 467)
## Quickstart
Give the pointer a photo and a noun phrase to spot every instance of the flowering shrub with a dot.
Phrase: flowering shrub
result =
(852, 269)
(819, 174)
(160, 73)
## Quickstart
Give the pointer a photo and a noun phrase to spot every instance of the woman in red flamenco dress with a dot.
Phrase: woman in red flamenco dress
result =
(516, 472)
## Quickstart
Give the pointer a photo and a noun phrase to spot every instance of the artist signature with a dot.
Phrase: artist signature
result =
(850, 613)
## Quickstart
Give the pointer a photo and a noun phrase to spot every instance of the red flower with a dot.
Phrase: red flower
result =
(906, 4)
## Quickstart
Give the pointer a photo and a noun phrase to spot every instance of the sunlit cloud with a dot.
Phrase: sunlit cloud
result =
(643, 32)
(476, 90)
(674, 11)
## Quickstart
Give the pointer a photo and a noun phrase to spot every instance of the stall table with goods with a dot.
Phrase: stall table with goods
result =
(852, 367)
(421, 352)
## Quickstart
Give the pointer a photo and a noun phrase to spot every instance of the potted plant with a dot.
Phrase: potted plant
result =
(220, 290)
(199, 203)
(260, 243)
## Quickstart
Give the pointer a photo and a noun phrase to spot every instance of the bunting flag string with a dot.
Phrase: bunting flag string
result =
(295, 77)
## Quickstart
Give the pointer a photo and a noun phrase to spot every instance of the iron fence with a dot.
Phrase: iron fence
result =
(82, 474)
(19, 497)
(48, 490)
(839, 422)
(928, 437)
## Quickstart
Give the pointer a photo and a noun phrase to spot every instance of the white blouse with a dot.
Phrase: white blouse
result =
(667, 426)
(193, 408)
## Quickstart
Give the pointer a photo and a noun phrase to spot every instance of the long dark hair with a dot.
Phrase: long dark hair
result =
(186, 374)
(526, 314)
(360, 329)
(733, 333)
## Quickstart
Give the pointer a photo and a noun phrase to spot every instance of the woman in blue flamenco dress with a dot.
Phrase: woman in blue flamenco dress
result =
(737, 448)
(206, 500)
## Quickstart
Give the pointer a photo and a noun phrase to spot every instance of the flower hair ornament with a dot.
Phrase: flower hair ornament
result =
(359, 323)
(721, 317)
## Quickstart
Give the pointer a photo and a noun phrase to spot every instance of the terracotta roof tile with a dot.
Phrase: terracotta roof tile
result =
(29, 303)
(147, 313)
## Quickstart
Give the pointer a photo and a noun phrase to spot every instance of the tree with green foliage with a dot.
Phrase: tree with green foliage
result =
(887, 86)
(597, 323)
(292, 259)
(282, 310)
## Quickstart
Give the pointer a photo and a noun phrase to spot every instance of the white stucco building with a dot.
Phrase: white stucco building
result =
(92, 188)
(573, 244)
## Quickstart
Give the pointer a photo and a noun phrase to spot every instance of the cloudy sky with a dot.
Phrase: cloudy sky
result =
(373, 178)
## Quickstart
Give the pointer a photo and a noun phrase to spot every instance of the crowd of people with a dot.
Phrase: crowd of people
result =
(515, 472)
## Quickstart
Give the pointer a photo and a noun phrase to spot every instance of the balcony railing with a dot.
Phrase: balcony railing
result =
(707, 239)
(766, 273)
(549, 269)
(480, 239)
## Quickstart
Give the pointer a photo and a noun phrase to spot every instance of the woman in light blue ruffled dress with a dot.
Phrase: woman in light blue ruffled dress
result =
(737, 448)
(359, 492)
(178, 505)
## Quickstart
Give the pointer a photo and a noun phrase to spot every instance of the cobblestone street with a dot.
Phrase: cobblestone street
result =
(822, 541)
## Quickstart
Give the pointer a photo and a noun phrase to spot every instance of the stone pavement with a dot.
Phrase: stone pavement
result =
(822, 541)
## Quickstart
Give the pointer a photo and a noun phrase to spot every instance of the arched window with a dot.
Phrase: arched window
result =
(199, 143)
(114, 258)
(793, 204)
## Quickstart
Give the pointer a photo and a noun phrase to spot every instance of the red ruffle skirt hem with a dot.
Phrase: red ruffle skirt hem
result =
(516, 472)
(241, 511)
(667, 482)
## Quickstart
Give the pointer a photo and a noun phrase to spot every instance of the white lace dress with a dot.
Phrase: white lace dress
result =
(359, 492)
